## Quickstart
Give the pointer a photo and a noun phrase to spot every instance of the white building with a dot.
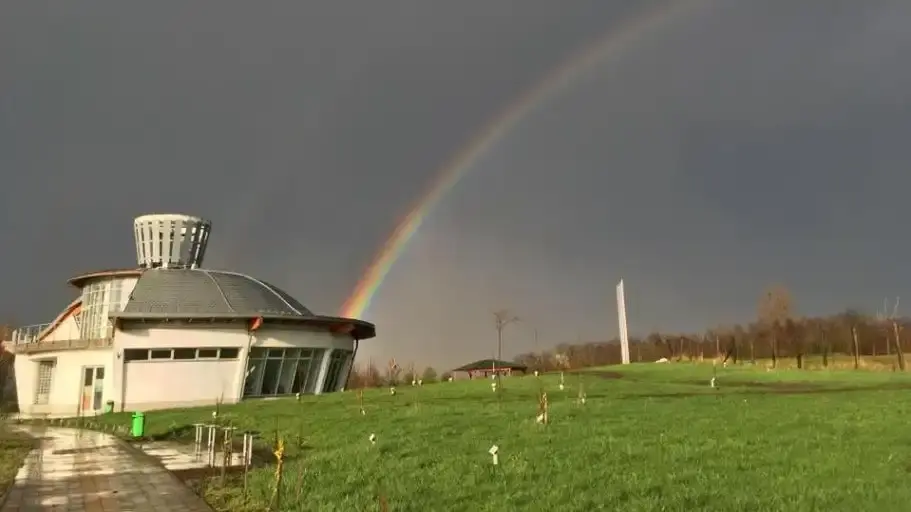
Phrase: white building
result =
(171, 334)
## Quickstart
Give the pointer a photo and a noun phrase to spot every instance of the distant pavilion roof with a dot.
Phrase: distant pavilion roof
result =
(489, 364)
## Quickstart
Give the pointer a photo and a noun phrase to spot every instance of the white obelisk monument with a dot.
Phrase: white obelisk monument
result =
(621, 320)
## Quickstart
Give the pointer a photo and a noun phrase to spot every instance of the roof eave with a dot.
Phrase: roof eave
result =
(360, 329)
(80, 280)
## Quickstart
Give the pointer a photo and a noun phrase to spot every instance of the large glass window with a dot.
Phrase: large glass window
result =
(307, 371)
(99, 300)
(280, 371)
(337, 364)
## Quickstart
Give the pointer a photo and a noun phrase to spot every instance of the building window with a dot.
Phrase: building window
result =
(159, 353)
(45, 378)
(280, 371)
(132, 354)
(179, 354)
(184, 353)
(99, 300)
(337, 364)
(228, 353)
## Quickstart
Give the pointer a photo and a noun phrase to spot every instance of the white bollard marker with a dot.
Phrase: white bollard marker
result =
(536, 373)
(493, 453)
(712, 382)
(392, 390)
(372, 439)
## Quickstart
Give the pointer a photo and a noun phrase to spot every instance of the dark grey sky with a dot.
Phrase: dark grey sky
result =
(742, 143)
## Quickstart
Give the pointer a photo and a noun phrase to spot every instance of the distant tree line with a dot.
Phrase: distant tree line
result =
(776, 334)
(370, 376)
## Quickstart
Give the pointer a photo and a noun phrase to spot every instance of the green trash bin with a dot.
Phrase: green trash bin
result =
(139, 424)
(109, 407)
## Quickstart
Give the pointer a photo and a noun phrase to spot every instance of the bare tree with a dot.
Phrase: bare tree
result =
(681, 340)
(882, 317)
(794, 332)
(712, 336)
(501, 319)
(775, 307)
(818, 329)
(737, 336)
(852, 319)
(890, 322)
(754, 335)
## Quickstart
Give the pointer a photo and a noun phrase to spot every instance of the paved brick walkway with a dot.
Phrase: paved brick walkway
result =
(77, 470)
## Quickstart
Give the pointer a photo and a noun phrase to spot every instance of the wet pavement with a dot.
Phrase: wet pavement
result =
(79, 470)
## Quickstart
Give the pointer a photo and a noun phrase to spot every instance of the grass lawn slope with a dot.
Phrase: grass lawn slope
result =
(14, 446)
(649, 437)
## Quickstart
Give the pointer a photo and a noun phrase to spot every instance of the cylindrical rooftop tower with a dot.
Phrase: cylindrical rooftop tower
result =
(170, 240)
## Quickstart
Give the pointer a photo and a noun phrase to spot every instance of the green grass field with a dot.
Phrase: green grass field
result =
(650, 437)
(14, 446)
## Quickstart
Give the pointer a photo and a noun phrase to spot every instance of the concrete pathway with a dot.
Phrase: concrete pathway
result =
(180, 457)
(80, 470)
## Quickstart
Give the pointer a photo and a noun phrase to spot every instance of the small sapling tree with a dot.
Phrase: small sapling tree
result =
(279, 452)
(360, 401)
(580, 399)
(392, 375)
(542, 409)
(410, 376)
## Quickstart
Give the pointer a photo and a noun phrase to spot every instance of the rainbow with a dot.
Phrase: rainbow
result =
(611, 45)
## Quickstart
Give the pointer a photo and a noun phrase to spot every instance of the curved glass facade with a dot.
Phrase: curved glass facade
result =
(282, 371)
(100, 299)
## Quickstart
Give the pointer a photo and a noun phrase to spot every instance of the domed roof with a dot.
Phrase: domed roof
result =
(209, 292)
(201, 293)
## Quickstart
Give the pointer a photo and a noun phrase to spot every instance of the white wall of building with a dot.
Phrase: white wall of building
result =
(66, 381)
(165, 383)
(154, 384)
(301, 337)
(157, 384)
(181, 335)
(68, 329)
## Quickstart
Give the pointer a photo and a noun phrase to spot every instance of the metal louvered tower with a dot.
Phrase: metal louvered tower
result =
(170, 240)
